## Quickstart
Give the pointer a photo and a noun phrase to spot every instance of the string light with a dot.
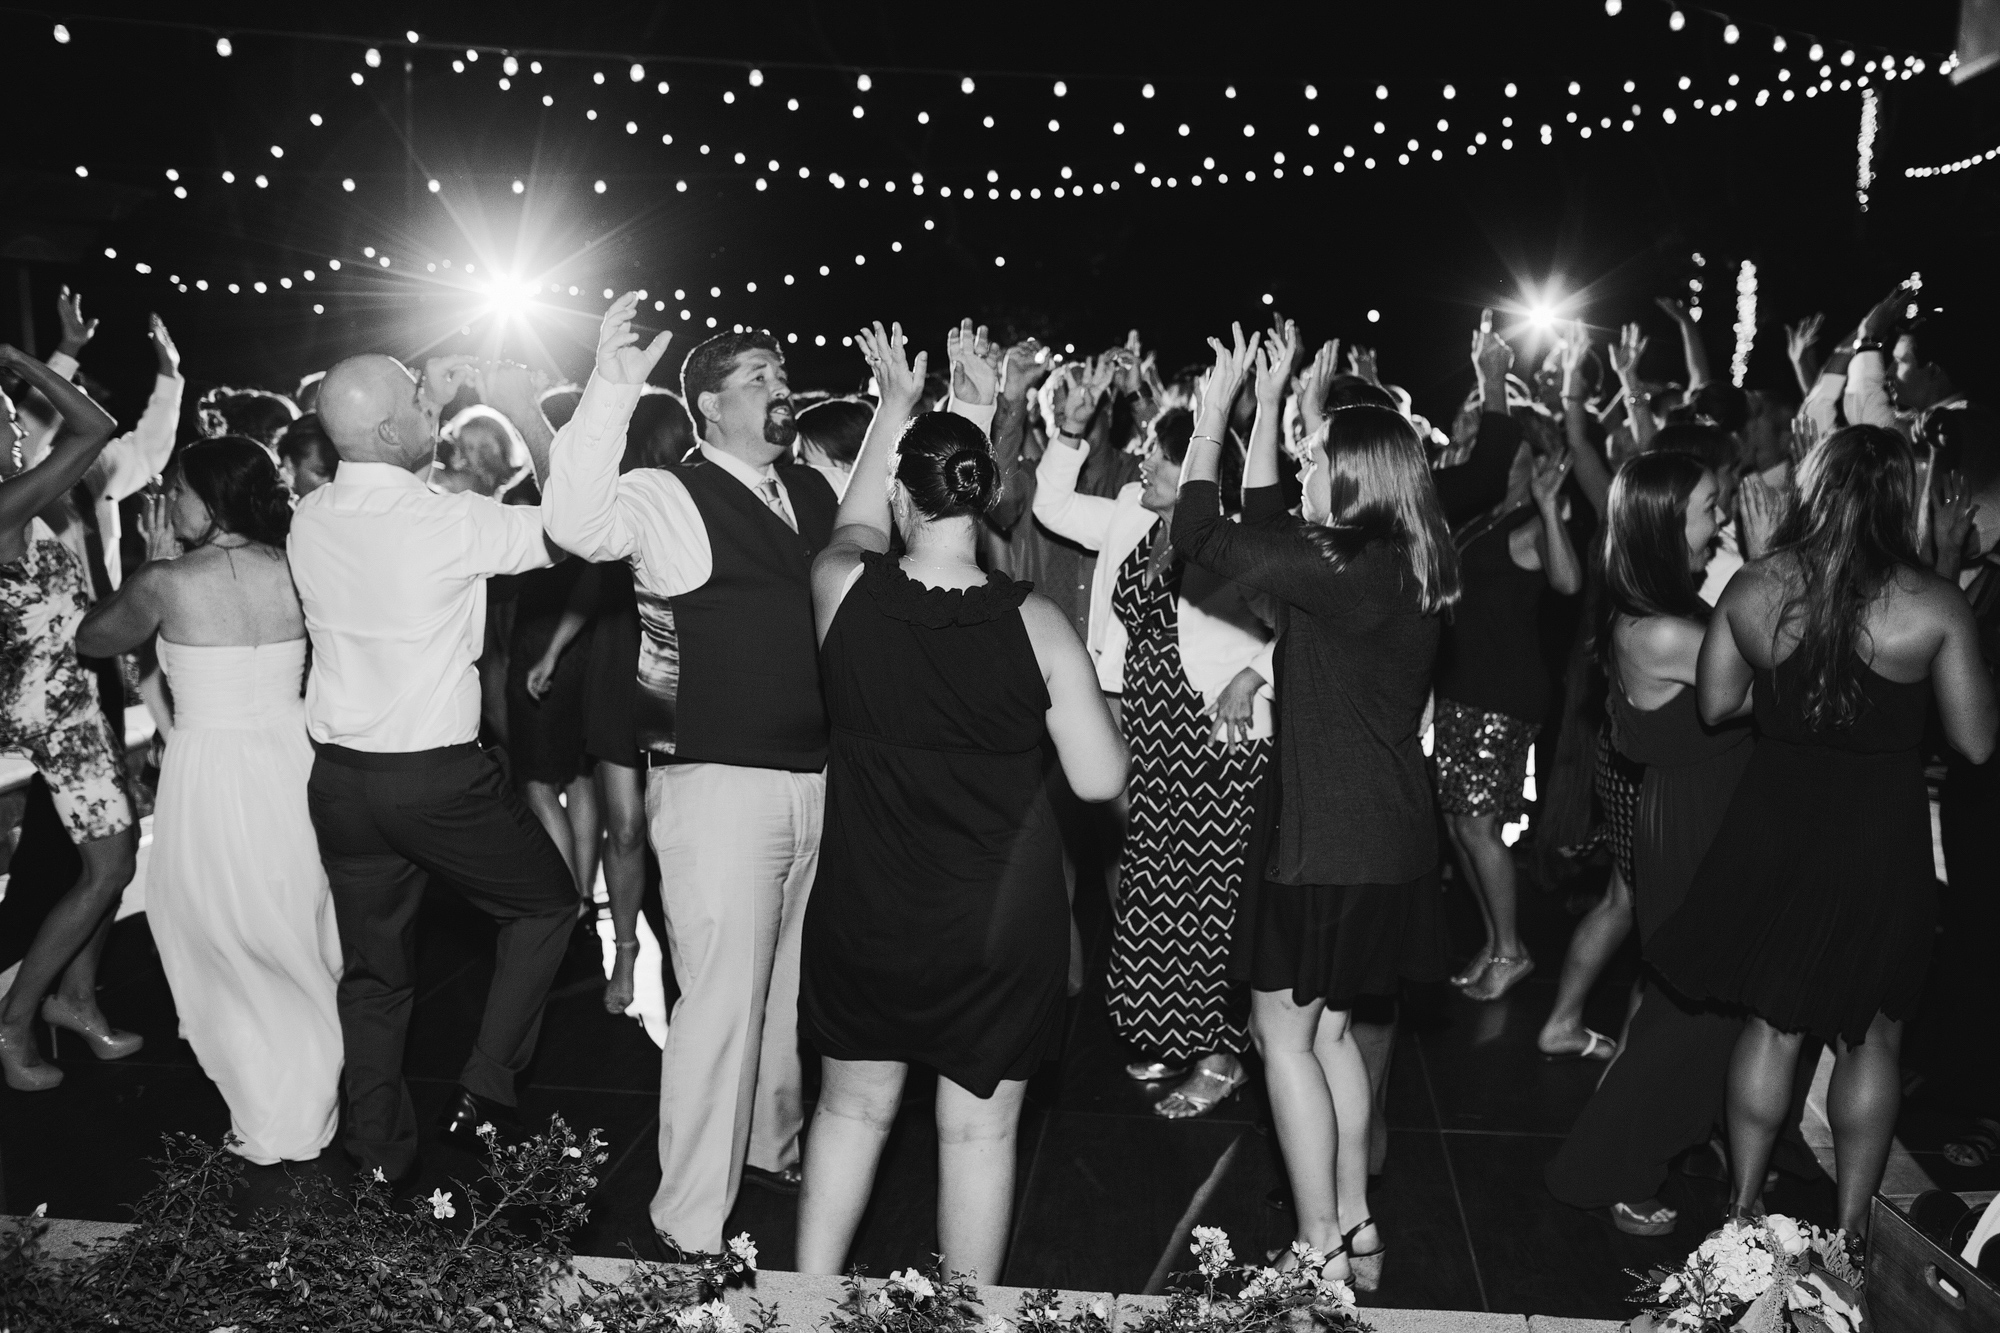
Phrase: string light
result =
(1694, 287)
(1864, 147)
(1949, 168)
(1746, 322)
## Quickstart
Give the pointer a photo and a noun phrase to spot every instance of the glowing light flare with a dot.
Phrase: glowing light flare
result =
(1746, 322)
(1864, 147)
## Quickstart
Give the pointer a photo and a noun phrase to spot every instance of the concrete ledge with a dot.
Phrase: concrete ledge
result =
(804, 1300)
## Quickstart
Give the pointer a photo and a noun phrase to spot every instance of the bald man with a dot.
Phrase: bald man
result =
(392, 576)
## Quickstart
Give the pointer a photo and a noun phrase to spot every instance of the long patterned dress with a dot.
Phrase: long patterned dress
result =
(1168, 989)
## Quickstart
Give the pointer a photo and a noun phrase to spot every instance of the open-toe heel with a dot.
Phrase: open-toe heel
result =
(1365, 1265)
(619, 990)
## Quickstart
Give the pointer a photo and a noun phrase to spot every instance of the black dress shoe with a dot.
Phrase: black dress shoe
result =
(778, 1182)
(468, 1112)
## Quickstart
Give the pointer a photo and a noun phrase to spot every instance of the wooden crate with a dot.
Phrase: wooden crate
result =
(1916, 1286)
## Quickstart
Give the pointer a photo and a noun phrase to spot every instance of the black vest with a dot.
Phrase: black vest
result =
(729, 673)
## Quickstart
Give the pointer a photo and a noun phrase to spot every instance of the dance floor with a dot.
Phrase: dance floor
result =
(1107, 1191)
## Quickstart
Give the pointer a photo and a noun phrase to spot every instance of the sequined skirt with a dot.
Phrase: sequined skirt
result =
(1481, 761)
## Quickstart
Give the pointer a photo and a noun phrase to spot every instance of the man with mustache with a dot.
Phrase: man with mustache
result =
(730, 719)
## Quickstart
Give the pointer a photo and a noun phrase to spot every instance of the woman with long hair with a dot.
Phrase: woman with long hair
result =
(1191, 661)
(1815, 906)
(1346, 903)
(938, 928)
(1664, 1090)
(236, 895)
(49, 711)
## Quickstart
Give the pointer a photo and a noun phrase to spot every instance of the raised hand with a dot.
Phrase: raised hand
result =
(512, 388)
(156, 525)
(1546, 480)
(1760, 507)
(975, 363)
(1491, 357)
(1088, 384)
(1232, 365)
(1800, 337)
(168, 355)
(1575, 354)
(1019, 366)
(620, 358)
(444, 376)
(1952, 512)
(1877, 323)
(1273, 366)
(1625, 354)
(1676, 309)
(1314, 382)
(76, 330)
(899, 380)
(1361, 363)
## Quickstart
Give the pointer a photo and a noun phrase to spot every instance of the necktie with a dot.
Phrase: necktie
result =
(767, 490)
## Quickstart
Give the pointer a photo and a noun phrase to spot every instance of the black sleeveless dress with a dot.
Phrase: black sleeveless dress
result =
(1816, 903)
(938, 928)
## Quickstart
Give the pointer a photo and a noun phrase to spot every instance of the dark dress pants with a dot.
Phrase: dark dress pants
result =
(386, 823)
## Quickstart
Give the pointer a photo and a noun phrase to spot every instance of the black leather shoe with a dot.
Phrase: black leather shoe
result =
(778, 1182)
(468, 1111)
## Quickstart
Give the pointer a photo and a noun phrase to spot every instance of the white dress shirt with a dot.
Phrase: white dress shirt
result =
(392, 578)
(647, 516)
(130, 461)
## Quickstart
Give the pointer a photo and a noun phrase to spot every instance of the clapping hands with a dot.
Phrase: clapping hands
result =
(1232, 366)
(1274, 364)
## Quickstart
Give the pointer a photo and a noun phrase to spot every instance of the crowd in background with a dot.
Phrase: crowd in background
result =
(842, 691)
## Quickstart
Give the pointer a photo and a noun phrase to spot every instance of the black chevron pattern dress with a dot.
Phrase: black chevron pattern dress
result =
(1188, 832)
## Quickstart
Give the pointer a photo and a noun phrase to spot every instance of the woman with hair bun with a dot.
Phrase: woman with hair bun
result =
(235, 894)
(938, 928)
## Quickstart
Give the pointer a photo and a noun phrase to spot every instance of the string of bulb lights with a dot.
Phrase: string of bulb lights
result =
(1887, 67)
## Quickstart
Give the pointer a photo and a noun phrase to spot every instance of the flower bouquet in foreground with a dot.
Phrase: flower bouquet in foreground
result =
(1223, 1296)
(1770, 1275)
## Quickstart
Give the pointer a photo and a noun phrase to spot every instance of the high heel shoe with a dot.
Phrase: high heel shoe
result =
(1366, 1266)
(619, 990)
(105, 1041)
(23, 1065)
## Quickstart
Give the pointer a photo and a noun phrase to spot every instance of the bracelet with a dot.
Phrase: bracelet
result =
(1210, 438)
(1861, 347)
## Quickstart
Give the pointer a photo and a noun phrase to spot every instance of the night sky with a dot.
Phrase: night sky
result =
(1616, 218)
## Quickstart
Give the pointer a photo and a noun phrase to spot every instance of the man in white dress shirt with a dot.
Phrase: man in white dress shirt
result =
(392, 577)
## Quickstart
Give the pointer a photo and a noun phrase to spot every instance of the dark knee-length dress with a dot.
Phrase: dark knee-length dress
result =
(1665, 1089)
(1816, 904)
(1168, 989)
(938, 928)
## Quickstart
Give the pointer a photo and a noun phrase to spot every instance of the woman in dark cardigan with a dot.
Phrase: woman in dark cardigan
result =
(1348, 904)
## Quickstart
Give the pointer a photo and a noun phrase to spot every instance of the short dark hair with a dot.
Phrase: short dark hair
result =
(837, 427)
(1173, 429)
(1701, 441)
(709, 365)
(946, 464)
(659, 434)
(1940, 339)
(305, 441)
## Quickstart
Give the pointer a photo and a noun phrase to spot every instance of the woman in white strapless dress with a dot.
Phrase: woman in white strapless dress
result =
(235, 892)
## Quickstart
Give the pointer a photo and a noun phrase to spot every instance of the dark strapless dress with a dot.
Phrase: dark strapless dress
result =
(1816, 904)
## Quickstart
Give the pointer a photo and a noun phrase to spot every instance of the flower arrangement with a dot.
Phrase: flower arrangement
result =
(1769, 1275)
(1041, 1312)
(913, 1300)
(489, 1256)
(1223, 1296)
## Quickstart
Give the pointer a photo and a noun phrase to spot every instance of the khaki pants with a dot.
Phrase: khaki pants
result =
(738, 850)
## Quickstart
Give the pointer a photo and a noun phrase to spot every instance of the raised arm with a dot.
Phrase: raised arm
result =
(1801, 341)
(129, 617)
(1638, 403)
(1084, 519)
(1692, 346)
(584, 506)
(1866, 400)
(86, 429)
(1010, 433)
(1592, 475)
(1559, 562)
(516, 393)
(863, 522)
(1273, 369)
(1314, 381)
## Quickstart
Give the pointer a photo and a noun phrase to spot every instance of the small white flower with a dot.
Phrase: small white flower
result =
(441, 1205)
(572, 1152)
(1211, 1250)
(41, 1210)
(1790, 1236)
(916, 1284)
(744, 1251)
(996, 1325)
(1098, 1310)
(1338, 1289)
(486, 1130)
(380, 1179)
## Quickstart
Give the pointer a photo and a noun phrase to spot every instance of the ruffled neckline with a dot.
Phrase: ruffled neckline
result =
(901, 597)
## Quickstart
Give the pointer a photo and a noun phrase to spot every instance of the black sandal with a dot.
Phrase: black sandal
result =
(1367, 1275)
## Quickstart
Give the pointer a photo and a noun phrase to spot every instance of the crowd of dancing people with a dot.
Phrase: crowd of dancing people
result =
(869, 678)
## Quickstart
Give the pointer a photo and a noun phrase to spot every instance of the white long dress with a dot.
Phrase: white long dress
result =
(238, 899)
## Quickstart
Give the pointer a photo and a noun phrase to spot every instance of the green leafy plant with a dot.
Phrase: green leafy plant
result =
(1041, 1312)
(913, 1300)
(1223, 1296)
(354, 1260)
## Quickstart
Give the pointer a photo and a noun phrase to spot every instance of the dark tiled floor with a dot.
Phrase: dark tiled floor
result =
(1106, 1190)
